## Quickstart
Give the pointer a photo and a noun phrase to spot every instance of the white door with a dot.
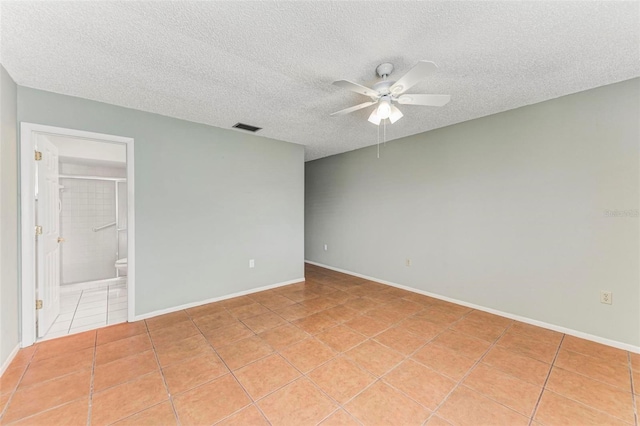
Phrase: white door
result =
(48, 217)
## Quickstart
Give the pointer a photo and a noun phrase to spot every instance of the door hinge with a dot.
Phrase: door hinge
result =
(38, 155)
(38, 230)
(38, 304)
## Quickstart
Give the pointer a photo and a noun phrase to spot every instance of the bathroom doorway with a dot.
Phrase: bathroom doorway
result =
(77, 193)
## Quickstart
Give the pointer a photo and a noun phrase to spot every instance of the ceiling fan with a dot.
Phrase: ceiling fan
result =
(386, 92)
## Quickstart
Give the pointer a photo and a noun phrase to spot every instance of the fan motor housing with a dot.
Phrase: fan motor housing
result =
(384, 69)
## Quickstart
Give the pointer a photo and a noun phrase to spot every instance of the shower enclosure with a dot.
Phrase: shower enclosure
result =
(93, 216)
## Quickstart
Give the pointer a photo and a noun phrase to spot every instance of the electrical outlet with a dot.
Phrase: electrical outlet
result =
(326, 247)
(606, 297)
(408, 262)
(252, 263)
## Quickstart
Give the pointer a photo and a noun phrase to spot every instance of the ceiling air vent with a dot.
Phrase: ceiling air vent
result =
(246, 127)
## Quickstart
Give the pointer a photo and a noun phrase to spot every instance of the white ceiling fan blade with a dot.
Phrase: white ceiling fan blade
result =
(428, 100)
(355, 87)
(353, 108)
(413, 76)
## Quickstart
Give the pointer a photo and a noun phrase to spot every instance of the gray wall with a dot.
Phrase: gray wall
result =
(207, 200)
(506, 211)
(9, 321)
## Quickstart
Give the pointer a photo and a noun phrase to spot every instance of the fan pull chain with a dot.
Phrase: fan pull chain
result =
(378, 141)
(384, 140)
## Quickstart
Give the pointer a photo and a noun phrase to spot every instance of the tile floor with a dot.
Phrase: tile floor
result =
(333, 350)
(85, 308)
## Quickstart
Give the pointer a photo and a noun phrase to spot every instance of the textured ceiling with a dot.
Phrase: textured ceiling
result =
(271, 64)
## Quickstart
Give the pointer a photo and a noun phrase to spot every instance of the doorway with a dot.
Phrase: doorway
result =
(78, 257)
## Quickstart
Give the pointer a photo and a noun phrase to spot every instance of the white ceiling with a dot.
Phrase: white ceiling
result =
(271, 64)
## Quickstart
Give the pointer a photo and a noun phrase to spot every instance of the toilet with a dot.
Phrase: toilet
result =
(121, 266)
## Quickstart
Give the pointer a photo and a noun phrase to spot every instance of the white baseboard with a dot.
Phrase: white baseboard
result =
(569, 331)
(215, 299)
(7, 362)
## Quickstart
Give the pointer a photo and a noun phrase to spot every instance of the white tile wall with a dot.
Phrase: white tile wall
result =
(88, 255)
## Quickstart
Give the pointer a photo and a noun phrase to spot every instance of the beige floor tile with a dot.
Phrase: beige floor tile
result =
(266, 375)
(11, 377)
(122, 348)
(180, 350)
(401, 340)
(420, 383)
(243, 352)
(299, 403)
(308, 354)
(595, 350)
(514, 393)
(341, 338)
(374, 357)
(612, 373)
(467, 346)
(167, 320)
(165, 336)
(521, 343)
(120, 331)
(161, 414)
(186, 375)
(124, 370)
(315, 323)
(341, 379)
(122, 401)
(30, 400)
(248, 311)
(69, 414)
(467, 407)
(64, 345)
(380, 404)
(228, 334)
(595, 394)
(283, 336)
(518, 365)
(555, 409)
(367, 326)
(264, 322)
(340, 418)
(249, 416)
(444, 361)
(210, 402)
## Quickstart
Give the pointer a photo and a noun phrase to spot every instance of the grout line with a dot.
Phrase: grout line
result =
(73, 317)
(633, 395)
(544, 385)
(161, 371)
(253, 402)
(93, 373)
(462, 379)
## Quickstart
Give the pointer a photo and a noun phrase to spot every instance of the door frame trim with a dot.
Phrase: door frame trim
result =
(27, 219)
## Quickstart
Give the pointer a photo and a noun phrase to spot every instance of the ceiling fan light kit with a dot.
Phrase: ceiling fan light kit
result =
(386, 92)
